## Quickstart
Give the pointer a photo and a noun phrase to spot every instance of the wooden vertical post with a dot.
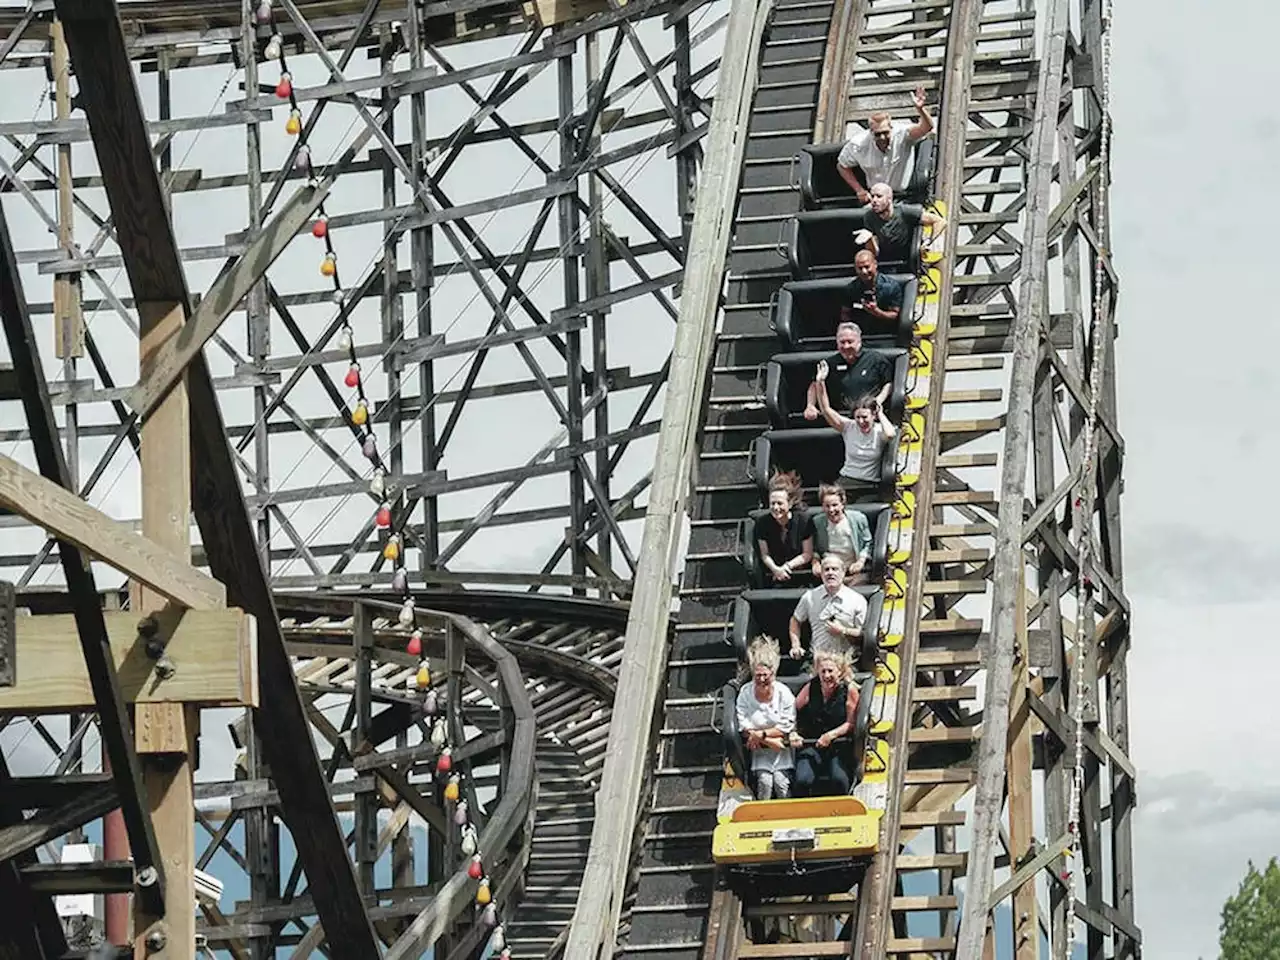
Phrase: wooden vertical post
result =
(1007, 600)
(166, 732)
(1018, 767)
(68, 317)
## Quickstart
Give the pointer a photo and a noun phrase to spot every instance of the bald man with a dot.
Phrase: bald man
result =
(871, 292)
(887, 226)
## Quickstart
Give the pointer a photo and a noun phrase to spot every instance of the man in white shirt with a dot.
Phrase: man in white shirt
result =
(835, 613)
(881, 153)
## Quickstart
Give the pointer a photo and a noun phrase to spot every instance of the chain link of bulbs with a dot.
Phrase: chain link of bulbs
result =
(358, 416)
(1084, 544)
(468, 837)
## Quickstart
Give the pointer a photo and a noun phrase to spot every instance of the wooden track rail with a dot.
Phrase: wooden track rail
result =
(979, 59)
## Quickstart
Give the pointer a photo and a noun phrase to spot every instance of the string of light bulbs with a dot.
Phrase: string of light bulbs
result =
(1084, 501)
(358, 415)
(640, 161)
(487, 912)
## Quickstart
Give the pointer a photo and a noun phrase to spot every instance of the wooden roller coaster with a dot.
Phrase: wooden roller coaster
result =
(562, 755)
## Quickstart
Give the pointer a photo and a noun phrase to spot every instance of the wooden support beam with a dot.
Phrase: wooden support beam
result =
(166, 731)
(1026, 872)
(112, 105)
(1018, 771)
(68, 316)
(67, 517)
(599, 904)
(1007, 593)
(171, 357)
(213, 652)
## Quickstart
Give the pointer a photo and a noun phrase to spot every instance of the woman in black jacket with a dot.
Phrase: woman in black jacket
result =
(825, 712)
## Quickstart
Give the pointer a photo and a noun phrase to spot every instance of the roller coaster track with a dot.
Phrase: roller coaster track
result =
(567, 651)
(977, 60)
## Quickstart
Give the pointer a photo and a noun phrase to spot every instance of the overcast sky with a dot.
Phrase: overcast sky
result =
(1199, 560)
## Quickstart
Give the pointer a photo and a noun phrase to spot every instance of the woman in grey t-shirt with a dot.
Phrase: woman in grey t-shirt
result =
(864, 435)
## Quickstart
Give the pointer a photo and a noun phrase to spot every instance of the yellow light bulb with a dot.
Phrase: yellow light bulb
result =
(424, 677)
(392, 550)
(293, 126)
(360, 415)
(451, 791)
(482, 894)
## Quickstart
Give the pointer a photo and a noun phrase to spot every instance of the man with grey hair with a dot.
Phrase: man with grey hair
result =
(855, 372)
(882, 151)
(835, 613)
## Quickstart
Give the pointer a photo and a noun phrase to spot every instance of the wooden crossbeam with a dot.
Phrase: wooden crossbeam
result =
(214, 655)
(67, 517)
(171, 358)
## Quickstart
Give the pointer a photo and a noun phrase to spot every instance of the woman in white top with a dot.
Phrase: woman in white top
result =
(864, 438)
(766, 717)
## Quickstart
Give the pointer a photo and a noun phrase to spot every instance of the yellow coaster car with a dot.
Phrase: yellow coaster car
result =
(803, 846)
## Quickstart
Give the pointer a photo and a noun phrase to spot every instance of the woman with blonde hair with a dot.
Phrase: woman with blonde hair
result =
(766, 712)
(826, 710)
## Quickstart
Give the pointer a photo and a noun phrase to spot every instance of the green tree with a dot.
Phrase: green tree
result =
(1250, 927)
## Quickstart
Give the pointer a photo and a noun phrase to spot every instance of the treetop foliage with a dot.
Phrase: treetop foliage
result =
(1250, 926)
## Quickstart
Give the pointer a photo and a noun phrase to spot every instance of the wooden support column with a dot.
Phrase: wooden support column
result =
(1018, 769)
(166, 733)
(68, 317)
(1007, 599)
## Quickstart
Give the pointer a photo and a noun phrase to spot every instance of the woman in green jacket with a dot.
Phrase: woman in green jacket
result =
(846, 534)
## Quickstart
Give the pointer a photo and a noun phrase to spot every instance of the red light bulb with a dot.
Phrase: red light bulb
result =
(444, 763)
(284, 88)
(414, 646)
(352, 378)
(475, 871)
(320, 229)
(383, 516)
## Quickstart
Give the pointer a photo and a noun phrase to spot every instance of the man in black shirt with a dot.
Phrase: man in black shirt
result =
(855, 373)
(888, 228)
(871, 291)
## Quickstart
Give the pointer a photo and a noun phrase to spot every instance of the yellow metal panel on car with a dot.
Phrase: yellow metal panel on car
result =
(749, 837)
(733, 793)
(888, 670)
(799, 808)
(920, 357)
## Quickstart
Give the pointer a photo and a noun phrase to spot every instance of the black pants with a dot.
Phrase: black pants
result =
(813, 764)
(861, 491)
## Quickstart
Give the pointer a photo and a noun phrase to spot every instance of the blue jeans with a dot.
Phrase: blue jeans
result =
(813, 764)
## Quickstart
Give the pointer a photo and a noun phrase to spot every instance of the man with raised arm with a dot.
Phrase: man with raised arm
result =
(880, 153)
